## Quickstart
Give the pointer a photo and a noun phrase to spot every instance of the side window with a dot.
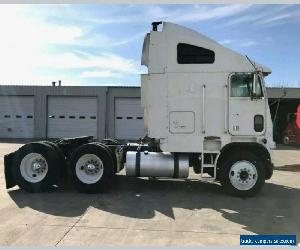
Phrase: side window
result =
(190, 54)
(258, 123)
(240, 85)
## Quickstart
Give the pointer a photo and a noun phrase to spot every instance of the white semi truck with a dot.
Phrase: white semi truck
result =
(205, 108)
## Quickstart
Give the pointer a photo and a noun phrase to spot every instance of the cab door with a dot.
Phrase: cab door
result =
(246, 105)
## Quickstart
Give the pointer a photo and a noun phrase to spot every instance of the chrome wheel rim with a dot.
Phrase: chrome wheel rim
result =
(243, 175)
(89, 168)
(34, 167)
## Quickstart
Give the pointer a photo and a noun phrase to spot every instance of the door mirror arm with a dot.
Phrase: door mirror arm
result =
(253, 90)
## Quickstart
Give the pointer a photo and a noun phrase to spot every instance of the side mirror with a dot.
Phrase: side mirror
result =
(253, 90)
(256, 91)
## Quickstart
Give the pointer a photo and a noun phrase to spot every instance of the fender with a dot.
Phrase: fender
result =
(256, 148)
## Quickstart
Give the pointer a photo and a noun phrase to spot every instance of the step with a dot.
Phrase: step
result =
(211, 152)
(208, 165)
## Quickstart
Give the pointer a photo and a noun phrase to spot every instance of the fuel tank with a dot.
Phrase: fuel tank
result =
(156, 164)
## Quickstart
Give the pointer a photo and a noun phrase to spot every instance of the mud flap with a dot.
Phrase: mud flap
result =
(8, 166)
(269, 172)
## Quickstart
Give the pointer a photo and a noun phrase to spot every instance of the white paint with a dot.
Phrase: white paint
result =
(182, 122)
(243, 175)
(89, 168)
(171, 87)
(72, 116)
(16, 117)
(34, 167)
(128, 118)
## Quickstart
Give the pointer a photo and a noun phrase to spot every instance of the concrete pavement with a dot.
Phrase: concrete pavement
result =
(151, 212)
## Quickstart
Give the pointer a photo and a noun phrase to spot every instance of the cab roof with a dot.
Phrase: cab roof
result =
(226, 60)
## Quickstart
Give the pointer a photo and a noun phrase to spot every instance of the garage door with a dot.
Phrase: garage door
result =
(16, 116)
(129, 122)
(72, 116)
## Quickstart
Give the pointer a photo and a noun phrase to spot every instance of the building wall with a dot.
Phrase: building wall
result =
(106, 102)
(41, 93)
(113, 93)
(285, 93)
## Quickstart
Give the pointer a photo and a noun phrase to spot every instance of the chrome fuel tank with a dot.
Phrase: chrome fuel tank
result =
(156, 164)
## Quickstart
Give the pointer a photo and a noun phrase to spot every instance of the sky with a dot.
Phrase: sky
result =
(100, 44)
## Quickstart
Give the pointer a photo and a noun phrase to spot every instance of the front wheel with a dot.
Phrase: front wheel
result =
(242, 174)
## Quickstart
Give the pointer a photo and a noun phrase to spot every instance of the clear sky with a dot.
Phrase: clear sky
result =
(100, 44)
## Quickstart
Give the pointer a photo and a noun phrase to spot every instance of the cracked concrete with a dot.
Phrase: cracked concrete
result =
(151, 212)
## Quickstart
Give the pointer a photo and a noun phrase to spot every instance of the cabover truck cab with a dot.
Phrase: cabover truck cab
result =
(205, 110)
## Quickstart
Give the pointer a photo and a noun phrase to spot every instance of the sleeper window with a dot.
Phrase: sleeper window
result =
(191, 54)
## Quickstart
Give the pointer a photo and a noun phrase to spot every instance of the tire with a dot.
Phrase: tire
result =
(39, 180)
(110, 152)
(250, 167)
(57, 150)
(91, 168)
(62, 164)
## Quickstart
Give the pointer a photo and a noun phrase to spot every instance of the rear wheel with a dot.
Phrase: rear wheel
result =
(35, 167)
(242, 174)
(62, 164)
(110, 152)
(91, 168)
